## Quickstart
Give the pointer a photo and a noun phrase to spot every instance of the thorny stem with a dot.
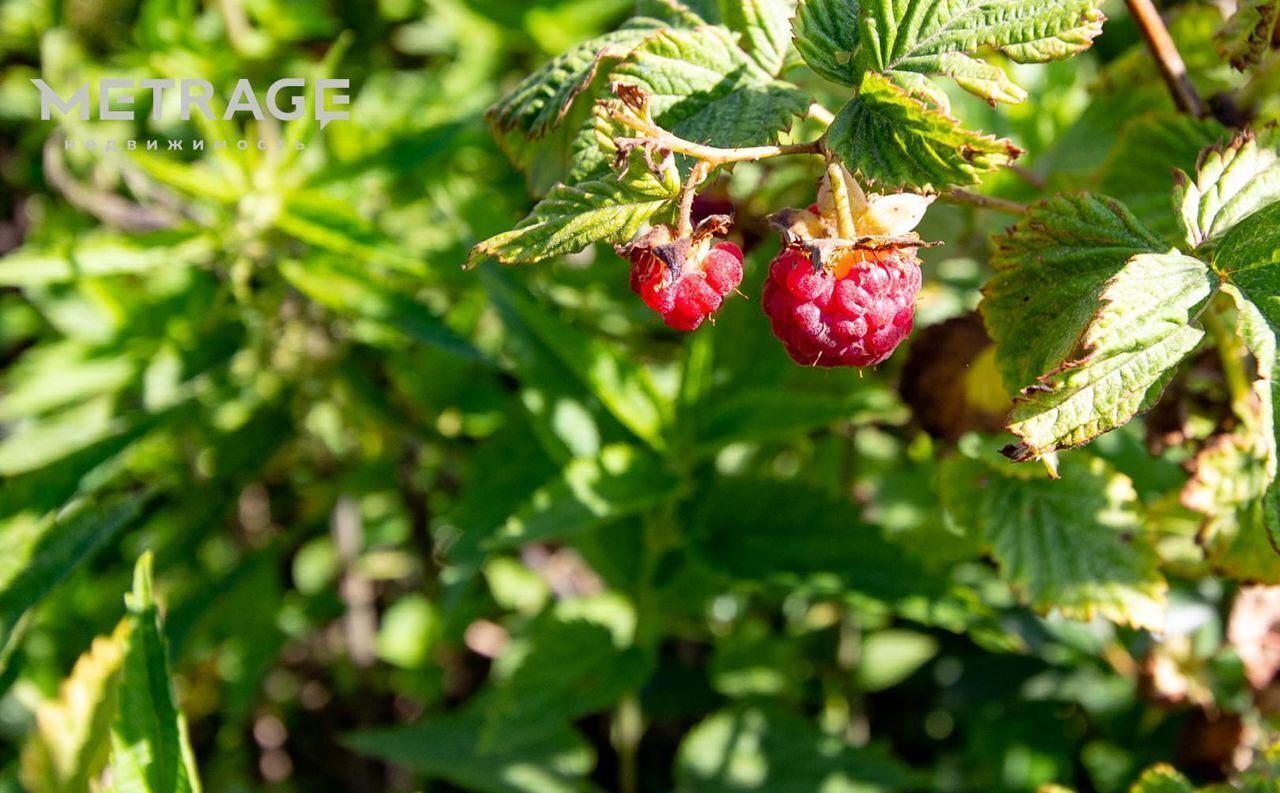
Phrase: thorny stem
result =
(1172, 67)
(712, 155)
(957, 196)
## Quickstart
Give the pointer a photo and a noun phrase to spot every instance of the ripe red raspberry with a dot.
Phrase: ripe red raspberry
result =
(685, 281)
(855, 313)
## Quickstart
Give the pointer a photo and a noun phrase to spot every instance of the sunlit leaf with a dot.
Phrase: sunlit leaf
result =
(150, 749)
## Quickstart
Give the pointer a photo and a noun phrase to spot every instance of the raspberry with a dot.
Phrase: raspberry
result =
(685, 283)
(853, 314)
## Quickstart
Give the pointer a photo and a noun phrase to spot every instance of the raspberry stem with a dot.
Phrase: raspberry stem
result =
(958, 196)
(820, 114)
(696, 177)
(845, 226)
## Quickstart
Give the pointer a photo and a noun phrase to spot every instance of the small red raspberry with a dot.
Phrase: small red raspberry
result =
(854, 313)
(685, 283)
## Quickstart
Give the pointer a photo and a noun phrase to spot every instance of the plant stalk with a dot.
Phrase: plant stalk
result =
(1172, 68)
(957, 196)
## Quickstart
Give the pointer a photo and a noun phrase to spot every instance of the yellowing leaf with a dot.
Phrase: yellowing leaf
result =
(69, 746)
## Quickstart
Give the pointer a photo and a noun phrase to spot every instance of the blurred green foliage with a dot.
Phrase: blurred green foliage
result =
(499, 531)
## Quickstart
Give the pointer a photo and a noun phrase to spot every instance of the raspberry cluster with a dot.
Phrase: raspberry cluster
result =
(853, 313)
(685, 283)
(841, 293)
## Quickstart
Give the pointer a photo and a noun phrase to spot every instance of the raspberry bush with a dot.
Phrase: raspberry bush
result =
(642, 396)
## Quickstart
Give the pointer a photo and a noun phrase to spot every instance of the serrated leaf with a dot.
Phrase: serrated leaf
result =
(613, 209)
(751, 747)
(826, 36)
(1249, 257)
(41, 553)
(69, 746)
(765, 27)
(684, 13)
(1137, 172)
(449, 747)
(354, 292)
(893, 138)
(624, 387)
(1249, 33)
(623, 480)
(703, 87)
(1051, 269)
(1232, 181)
(784, 532)
(943, 36)
(543, 99)
(1127, 356)
(1076, 545)
(150, 749)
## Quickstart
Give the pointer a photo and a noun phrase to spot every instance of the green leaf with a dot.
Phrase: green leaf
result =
(765, 26)
(449, 747)
(1128, 354)
(703, 87)
(41, 552)
(893, 138)
(572, 668)
(150, 749)
(543, 99)
(103, 254)
(1051, 269)
(613, 209)
(1137, 172)
(933, 37)
(333, 225)
(194, 179)
(42, 441)
(1232, 181)
(682, 13)
(1249, 34)
(1075, 545)
(786, 532)
(58, 374)
(621, 481)
(753, 748)
(354, 292)
(761, 414)
(826, 35)
(1162, 779)
(69, 747)
(891, 656)
(622, 385)
(1249, 257)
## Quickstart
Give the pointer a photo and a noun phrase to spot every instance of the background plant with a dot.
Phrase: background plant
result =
(499, 530)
